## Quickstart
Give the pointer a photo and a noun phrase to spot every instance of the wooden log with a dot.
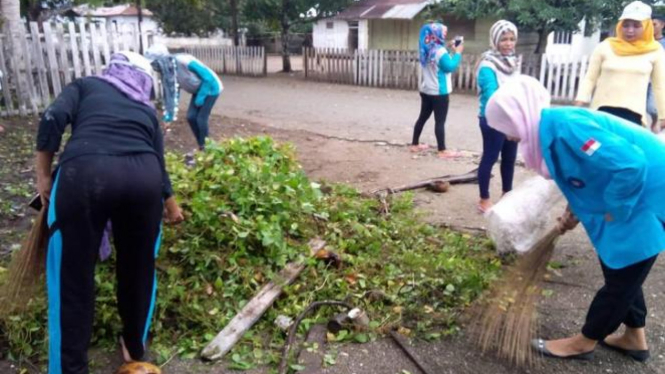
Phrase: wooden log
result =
(255, 308)
(470, 177)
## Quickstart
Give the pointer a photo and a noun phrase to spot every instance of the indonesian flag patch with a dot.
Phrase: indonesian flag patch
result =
(590, 147)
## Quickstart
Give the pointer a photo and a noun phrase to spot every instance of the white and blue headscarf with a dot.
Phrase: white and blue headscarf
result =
(432, 38)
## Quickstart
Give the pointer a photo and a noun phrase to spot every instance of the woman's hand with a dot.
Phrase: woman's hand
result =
(173, 212)
(44, 184)
(459, 49)
(567, 221)
(660, 124)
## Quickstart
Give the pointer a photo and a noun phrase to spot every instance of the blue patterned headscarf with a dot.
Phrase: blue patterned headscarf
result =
(432, 38)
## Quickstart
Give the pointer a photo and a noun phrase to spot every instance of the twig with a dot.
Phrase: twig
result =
(408, 351)
(294, 328)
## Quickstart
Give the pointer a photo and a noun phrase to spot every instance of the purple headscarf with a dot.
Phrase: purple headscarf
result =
(128, 78)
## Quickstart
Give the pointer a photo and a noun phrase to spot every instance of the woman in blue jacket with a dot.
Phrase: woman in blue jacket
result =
(193, 76)
(498, 65)
(610, 171)
(435, 85)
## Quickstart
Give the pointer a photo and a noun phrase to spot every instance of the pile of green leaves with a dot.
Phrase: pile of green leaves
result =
(250, 211)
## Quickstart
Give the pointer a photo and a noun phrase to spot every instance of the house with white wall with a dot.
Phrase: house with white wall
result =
(119, 16)
(568, 43)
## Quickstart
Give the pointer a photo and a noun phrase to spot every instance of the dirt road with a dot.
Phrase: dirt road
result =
(318, 118)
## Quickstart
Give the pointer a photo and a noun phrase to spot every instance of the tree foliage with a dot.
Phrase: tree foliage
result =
(542, 16)
(191, 17)
(37, 10)
(283, 15)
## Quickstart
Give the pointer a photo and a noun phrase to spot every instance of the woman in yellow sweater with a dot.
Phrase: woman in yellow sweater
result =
(620, 68)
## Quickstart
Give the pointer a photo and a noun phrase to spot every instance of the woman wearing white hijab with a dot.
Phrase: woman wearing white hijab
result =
(497, 66)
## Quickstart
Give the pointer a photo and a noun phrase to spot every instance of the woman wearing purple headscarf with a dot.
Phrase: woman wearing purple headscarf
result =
(435, 86)
(112, 169)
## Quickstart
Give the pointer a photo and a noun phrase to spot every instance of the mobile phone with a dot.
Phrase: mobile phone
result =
(36, 203)
(459, 40)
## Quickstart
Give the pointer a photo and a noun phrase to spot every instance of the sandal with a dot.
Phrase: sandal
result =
(445, 155)
(418, 148)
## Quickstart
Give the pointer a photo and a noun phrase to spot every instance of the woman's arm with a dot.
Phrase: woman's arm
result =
(588, 84)
(449, 64)
(52, 125)
(487, 83)
(658, 85)
(209, 82)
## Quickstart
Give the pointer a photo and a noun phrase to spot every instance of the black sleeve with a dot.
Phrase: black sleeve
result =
(57, 116)
(158, 144)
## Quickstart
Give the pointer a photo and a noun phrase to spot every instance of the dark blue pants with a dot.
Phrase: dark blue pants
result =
(87, 193)
(198, 118)
(619, 301)
(495, 143)
(428, 104)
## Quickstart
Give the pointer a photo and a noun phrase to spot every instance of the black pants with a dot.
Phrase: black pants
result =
(495, 143)
(87, 192)
(619, 301)
(624, 113)
(428, 104)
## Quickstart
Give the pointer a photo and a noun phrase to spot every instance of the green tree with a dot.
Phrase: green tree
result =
(193, 17)
(540, 16)
(283, 15)
(38, 10)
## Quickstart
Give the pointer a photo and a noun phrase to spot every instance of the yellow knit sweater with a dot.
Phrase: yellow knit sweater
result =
(622, 81)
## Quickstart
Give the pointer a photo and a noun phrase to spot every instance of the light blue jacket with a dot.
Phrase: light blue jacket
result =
(487, 85)
(604, 164)
(197, 79)
(436, 78)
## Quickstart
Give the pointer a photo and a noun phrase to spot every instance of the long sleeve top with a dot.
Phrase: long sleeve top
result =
(197, 79)
(436, 74)
(622, 81)
(104, 122)
(604, 164)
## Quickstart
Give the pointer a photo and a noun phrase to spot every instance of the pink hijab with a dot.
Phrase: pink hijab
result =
(514, 110)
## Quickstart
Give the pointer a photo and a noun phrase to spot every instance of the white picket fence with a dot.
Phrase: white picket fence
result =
(56, 54)
(401, 69)
(248, 61)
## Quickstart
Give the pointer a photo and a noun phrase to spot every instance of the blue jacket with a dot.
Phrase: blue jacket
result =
(197, 79)
(604, 164)
(487, 85)
(436, 76)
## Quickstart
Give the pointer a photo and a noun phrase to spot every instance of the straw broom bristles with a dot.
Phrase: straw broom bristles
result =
(26, 267)
(507, 323)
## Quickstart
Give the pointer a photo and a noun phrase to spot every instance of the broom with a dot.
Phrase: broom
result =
(507, 323)
(26, 267)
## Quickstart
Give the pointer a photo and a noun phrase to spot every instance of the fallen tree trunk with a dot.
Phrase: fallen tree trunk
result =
(255, 308)
(470, 177)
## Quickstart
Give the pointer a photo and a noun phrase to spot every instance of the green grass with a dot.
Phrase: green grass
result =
(250, 211)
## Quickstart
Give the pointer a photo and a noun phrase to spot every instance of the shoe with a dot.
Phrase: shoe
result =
(639, 355)
(539, 346)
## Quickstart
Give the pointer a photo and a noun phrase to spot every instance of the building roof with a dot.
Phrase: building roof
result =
(114, 11)
(384, 9)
